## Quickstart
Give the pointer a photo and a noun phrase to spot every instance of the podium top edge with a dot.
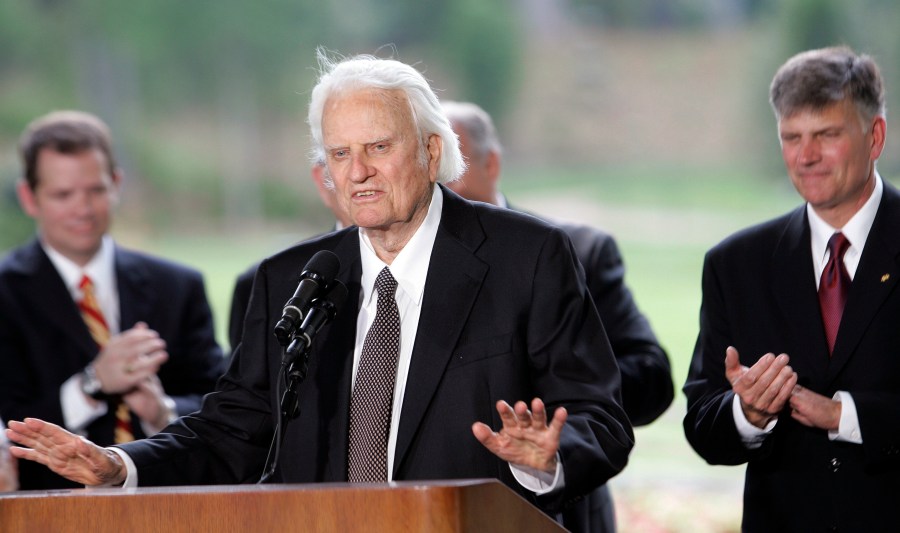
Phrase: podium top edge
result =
(419, 485)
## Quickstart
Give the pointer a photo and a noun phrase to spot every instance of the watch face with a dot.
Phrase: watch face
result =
(90, 385)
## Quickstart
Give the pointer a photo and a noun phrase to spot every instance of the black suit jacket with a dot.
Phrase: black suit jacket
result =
(44, 341)
(505, 315)
(759, 295)
(240, 299)
(647, 388)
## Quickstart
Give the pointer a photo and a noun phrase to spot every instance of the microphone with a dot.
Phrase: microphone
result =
(315, 278)
(322, 311)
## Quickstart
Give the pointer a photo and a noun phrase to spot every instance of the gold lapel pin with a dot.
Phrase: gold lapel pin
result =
(885, 277)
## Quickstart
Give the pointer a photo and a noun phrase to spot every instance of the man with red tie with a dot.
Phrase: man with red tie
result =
(110, 343)
(796, 370)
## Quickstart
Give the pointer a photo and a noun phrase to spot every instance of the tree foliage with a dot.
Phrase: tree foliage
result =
(200, 93)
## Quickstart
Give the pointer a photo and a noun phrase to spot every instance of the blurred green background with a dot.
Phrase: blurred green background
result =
(646, 117)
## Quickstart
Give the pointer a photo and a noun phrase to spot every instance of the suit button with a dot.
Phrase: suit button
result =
(835, 464)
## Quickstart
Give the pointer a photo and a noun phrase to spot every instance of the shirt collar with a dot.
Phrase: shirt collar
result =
(856, 229)
(410, 267)
(101, 267)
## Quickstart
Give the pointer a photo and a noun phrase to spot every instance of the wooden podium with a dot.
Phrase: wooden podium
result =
(442, 506)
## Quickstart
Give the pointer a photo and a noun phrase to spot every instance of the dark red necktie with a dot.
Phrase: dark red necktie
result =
(833, 288)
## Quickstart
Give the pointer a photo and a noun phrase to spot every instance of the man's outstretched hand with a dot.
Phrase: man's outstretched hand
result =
(67, 454)
(526, 438)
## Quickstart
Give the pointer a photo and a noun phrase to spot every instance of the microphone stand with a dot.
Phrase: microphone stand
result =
(295, 364)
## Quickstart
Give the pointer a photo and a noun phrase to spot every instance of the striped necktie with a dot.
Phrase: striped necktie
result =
(96, 324)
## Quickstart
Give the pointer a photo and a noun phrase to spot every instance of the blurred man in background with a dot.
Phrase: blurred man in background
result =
(796, 370)
(109, 343)
(647, 389)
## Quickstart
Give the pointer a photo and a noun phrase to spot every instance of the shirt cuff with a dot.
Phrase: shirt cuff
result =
(538, 481)
(751, 435)
(131, 475)
(171, 416)
(848, 427)
(78, 412)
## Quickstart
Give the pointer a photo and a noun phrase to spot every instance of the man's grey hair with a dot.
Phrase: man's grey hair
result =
(816, 79)
(477, 124)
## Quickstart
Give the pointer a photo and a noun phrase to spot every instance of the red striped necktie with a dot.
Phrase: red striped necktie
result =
(96, 324)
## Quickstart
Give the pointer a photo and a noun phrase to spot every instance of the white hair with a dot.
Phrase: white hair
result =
(366, 71)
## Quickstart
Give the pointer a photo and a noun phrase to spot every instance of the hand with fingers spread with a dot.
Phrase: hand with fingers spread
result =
(814, 410)
(526, 438)
(67, 454)
(764, 388)
(129, 358)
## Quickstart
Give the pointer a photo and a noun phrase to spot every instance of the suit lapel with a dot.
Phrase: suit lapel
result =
(334, 358)
(795, 292)
(53, 301)
(136, 297)
(454, 279)
(876, 278)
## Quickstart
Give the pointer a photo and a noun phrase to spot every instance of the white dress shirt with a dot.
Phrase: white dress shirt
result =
(78, 412)
(409, 268)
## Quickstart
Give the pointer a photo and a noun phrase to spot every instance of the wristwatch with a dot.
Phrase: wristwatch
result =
(90, 384)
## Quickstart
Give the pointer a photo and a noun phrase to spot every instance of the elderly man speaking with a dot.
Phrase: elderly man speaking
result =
(468, 347)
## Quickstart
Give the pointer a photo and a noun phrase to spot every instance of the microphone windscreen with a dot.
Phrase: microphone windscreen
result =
(337, 296)
(324, 263)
